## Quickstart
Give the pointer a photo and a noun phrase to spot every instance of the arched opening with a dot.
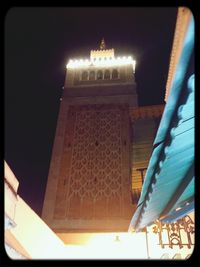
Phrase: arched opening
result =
(99, 75)
(107, 75)
(115, 74)
(84, 76)
(77, 76)
(92, 75)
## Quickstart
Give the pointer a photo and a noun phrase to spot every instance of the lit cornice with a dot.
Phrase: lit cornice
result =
(100, 62)
(101, 58)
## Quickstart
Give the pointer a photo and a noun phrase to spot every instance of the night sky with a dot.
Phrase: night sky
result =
(39, 42)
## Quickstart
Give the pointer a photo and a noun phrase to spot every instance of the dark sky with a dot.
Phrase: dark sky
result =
(38, 43)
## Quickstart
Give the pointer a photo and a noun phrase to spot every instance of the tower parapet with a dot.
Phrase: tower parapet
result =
(102, 54)
(102, 74)
(101, 58)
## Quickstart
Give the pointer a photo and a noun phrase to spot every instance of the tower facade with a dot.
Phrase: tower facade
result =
(89, 182)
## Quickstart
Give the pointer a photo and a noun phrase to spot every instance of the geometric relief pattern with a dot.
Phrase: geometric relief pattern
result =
(95, 184)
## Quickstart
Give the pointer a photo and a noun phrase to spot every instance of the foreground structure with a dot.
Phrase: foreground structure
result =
(170, 173)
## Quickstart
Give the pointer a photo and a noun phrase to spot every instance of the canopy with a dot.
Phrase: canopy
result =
(168, 189)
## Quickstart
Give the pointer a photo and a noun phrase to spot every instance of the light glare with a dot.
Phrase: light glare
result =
(103, 62)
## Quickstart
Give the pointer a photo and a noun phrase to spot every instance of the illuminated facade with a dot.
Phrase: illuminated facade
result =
(90, 169)
(90, 184)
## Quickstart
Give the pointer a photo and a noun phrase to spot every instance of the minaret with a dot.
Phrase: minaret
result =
(89, 182)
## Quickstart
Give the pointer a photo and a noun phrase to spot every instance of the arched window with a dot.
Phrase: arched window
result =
(107, 75)
(92, 75)
(84, 76)
(115, 74)
(77, 77)
(99, 75)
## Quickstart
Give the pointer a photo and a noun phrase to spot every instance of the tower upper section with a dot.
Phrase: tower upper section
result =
(102, 67)
(102, 74)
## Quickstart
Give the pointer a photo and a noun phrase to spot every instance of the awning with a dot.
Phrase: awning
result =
(168, 189)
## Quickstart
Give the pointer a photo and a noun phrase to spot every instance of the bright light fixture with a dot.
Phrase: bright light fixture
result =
(104, 62)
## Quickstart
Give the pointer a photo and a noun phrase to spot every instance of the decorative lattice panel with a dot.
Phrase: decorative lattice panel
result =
(95, 170)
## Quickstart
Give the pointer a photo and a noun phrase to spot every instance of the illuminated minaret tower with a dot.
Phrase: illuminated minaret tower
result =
(89, 182)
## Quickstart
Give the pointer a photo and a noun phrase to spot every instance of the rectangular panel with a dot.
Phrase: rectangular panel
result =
(94, 182)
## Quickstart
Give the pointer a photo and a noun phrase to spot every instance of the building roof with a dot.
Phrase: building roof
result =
(168, 189)
(183, 18)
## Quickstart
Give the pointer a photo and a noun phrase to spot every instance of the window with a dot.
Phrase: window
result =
(92, 75)
(84, 76)
(115, 74)
(107, 75)
(99, 75)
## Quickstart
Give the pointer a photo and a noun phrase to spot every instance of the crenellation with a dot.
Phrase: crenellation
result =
(107, 53)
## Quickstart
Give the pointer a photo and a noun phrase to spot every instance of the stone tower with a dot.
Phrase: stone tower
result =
(89, 182)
